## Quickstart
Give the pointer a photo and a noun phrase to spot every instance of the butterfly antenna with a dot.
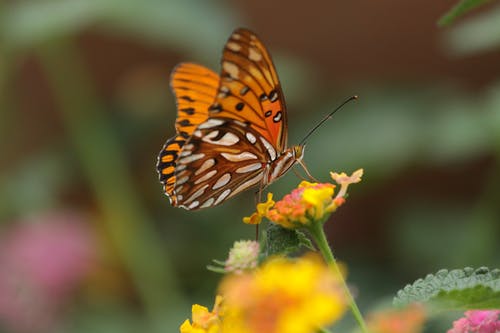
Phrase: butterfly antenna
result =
(328, 116)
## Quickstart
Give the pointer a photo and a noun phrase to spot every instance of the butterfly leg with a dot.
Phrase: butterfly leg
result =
(298, 174)
(307, 172)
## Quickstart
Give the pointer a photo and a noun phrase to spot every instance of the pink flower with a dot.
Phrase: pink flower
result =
(477, 321)
(42, 260)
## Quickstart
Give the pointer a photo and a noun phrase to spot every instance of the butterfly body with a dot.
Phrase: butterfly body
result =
(231, 129)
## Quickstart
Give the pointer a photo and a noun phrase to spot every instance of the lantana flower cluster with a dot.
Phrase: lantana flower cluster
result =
(478, 321)
(242, 256)
(308, 203)
(281, 296)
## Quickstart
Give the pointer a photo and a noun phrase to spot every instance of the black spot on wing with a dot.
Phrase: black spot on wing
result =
(216, 107)
(240, 106)
(187, 98)
(189, 111)
(185, 122)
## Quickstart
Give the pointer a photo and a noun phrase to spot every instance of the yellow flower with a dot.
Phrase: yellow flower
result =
(262, 209)
(283, 296)
(204, 321)
(408, 320)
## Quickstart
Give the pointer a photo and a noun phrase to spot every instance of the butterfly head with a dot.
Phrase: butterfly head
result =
(298, 152)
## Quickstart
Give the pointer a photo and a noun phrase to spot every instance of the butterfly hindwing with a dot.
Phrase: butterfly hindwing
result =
(218, 162)
(195, 88)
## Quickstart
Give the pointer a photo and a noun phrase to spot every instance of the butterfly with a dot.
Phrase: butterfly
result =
(231, 129)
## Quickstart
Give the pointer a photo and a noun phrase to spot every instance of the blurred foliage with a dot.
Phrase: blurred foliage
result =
(460, 9)
(25, 24)
(154, 255)
(479, 34)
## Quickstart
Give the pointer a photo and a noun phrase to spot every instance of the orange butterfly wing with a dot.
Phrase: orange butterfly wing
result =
(195, 88)
(228, 128)
(250, 90)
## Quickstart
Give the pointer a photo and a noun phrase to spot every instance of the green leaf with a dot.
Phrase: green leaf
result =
(219, 266)
(304, 240)
(479, 34)
(460, 9)
(283, 241)
(457, 289)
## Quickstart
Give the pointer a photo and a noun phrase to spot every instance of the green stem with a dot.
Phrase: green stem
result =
(317, 232)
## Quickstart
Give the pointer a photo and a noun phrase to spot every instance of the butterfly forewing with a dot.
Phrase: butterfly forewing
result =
(250, 90)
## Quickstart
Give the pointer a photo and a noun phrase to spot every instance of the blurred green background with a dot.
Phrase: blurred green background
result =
(85, 108)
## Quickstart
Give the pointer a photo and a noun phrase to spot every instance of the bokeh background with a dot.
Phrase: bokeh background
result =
(88, 241)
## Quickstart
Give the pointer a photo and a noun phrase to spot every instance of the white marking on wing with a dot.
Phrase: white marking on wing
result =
(251, 137)
(194, 204)
(239, 157)
(206, 176)
(206, 165)
(185, 153)
(181, 180)
(208, 203)
(210, 136)
(233, 46)
(277, 117)
(191, 158)
(248, 168)
(213, 122)
(179, 168)
(248, 183)
(231, 69)
(254, 55)
(222, 196)
(196, 194)
(228, 139)
(242, 124)
(223, 180)
(270, 149)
